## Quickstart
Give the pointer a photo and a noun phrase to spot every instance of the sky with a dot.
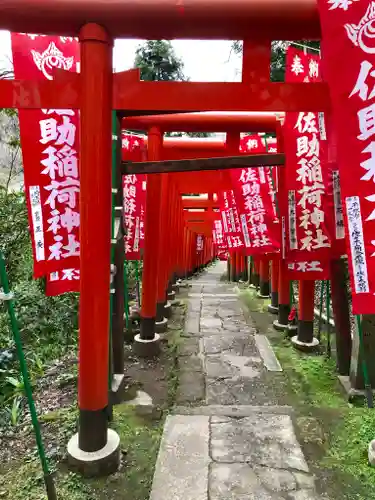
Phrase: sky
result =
(204, 61)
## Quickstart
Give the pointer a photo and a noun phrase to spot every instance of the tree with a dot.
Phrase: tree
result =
(278, 53)
(158, 61)
(10, 146)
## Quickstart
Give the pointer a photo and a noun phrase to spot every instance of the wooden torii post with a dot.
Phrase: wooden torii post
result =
(96, 91)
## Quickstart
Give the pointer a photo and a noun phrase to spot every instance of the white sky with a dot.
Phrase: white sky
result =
(205, 61)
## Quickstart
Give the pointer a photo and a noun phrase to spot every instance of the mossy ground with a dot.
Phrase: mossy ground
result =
(334, 434)
(139, 437)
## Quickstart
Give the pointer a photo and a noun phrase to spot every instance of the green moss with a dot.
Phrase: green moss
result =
(347, 454)
(311, 377)
(249, 297)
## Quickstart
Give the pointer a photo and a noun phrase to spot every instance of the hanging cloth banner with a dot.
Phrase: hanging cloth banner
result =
(252, 192)
(348, 47)
(258, 144)
(200, 243)
(134, 196)
(233, 224)
(218, 235)
(49, 140)
(308, 241)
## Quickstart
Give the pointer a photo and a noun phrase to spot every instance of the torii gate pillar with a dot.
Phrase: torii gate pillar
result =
(93, 436)
(147, 343)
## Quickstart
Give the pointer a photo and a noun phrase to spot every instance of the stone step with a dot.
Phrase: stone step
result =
(232, 410)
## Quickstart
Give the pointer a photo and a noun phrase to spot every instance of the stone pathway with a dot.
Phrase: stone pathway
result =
(230, 437)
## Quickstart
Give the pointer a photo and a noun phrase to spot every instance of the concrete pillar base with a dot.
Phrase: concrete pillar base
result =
(118, 388)
(305, 346)
(279, 326)
(273, 309)
(95, 463)
(171, 295)
(167, 310)
(145, 348)
(161, 326)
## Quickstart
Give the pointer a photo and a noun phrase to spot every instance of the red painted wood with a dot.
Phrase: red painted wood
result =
(306, 300)
(166, 19)
(152, 232)
(95, 216)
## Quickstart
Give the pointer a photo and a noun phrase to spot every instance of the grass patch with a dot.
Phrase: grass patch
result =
(140, 440)
(249, 296)
(311, 377)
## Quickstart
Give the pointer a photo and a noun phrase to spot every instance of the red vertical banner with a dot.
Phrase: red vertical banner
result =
(133, 196)
(252, 191)
(200, 243)
(235, 231)
(218, 238)
(308, 239)
(348, 47)
(50, 145)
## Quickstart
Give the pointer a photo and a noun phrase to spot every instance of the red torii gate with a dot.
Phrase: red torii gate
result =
(96, 91)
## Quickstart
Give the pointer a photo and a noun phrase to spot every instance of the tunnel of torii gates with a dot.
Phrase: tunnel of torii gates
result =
(96, 91)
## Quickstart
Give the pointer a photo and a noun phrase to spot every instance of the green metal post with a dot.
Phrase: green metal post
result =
(8, 298)
(137, 283)
(328, 298)
(366, 378)
(113, 245)
(126, 294)
(322, 283)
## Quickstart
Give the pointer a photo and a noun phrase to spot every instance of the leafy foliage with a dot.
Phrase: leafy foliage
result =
(15, 239)
(48, 325)
(157, 60)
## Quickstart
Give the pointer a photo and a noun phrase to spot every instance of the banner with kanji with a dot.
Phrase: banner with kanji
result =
(49, 141)
(134, 198)
(200, 243)
(218, 235)
(251, 187)
(258, 144)
(306, 182)
(134, 148)
(348, 47)
(234, 225)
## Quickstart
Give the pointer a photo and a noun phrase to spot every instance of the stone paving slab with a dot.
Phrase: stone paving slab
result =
(259, 439)
(270, 360)
(241, 391)
(182, 465)
(232, 410)
(243, 482)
